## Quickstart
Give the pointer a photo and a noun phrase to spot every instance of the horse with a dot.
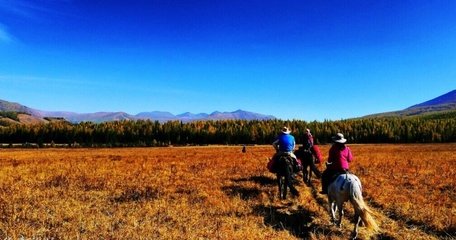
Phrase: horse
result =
(284, 171)
(347, 187)
(308, 159)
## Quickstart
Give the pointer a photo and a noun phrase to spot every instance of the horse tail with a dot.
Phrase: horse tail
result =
(361, 208)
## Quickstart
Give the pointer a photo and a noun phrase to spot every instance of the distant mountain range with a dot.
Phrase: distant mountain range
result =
(98, 117)
(443, 103)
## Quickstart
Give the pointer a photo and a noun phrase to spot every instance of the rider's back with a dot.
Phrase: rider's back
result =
(286, 142)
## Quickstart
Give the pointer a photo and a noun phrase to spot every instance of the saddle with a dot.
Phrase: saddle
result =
(294, 162)
(334, 176)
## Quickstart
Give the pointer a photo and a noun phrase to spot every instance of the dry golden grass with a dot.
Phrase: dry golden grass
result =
(215, 193)
(412, 183)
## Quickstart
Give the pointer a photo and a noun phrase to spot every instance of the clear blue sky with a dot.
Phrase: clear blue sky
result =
(309, 60)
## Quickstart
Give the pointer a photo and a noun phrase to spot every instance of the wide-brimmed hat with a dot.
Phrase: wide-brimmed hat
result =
(286, 130)
(339, 138)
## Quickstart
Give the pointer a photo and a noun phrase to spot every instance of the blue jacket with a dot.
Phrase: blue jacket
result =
(285, 143)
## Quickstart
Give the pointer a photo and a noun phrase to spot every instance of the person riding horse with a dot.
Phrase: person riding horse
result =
(284, 144)
(308, 140)
(284, 160)
(339, 158)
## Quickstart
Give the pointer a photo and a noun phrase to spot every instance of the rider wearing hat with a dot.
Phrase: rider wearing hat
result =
(285, 143)
(308, 140)
(339, 158)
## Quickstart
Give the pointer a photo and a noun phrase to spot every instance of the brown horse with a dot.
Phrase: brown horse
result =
(308, 159)
(284, 170)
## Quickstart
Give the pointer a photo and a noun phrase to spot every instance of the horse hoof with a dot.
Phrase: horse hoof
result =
(354, 236)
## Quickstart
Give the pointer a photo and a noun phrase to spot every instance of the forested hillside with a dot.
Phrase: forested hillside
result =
(428, 128)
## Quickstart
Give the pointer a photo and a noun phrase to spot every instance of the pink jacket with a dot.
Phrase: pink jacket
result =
(339, 157)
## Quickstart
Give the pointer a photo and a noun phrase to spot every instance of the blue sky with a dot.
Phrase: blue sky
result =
(309, 60)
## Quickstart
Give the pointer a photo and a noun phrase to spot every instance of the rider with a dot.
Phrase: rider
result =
(310, 146)
(308, 140)
(338, 161)
(306, 147)
(284, 144)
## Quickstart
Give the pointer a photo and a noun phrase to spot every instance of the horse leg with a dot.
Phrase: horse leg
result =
(341, 213)
(282, 188)
(304, 172)
(332, 208)
(313, 168)
(309, 175)
(309, 161)
(278, 185)
(307, 172)
(289, 181)
(355, 229)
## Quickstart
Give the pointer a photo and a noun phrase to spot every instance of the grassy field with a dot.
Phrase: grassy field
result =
(216, 192)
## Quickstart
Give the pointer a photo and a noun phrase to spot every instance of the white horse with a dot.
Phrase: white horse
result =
(347, 187)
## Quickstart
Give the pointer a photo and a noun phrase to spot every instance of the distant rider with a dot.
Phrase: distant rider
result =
(339, 158)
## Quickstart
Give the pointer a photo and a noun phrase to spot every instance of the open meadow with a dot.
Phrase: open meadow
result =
(216, 192)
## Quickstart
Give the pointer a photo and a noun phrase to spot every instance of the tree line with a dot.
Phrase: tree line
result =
(427, 129)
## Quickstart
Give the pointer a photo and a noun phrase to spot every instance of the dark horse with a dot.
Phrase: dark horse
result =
(284, 170)
(308, 159)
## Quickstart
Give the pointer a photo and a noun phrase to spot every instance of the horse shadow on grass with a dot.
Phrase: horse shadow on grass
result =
(136, 195)
(238, 189)
(244, 193)
(290, 217)
(449, 233)
(261, 180)
(296, 221)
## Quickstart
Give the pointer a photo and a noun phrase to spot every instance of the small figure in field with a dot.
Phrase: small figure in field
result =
(243, 149)
(339, 158)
